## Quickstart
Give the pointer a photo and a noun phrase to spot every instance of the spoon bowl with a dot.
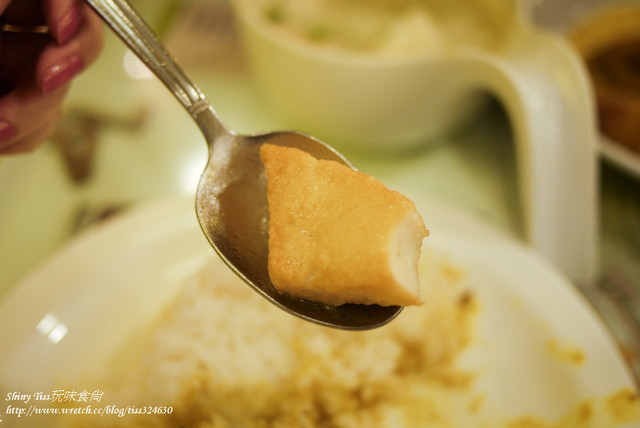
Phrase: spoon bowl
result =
(231, 200)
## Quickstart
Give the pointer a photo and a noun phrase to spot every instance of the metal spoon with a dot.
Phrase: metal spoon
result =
(231, 202)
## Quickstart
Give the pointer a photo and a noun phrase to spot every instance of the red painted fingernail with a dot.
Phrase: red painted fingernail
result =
(59, 74)
(7, 131)
(67, 25)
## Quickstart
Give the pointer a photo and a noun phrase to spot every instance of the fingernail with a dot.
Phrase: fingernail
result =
(67, 25)
(59, 74)
(7, 131)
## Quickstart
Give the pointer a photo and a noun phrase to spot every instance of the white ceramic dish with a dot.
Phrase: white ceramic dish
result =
(369, 102)
(620, 156)
(78, 308)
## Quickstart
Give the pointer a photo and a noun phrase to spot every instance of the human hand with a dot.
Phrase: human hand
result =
(36, 69)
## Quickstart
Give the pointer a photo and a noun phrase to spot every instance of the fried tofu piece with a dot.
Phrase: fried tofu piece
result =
(337, 235)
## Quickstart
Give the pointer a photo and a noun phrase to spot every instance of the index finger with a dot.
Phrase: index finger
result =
(64, 18)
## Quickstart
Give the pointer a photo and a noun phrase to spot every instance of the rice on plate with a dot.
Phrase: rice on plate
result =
(221, 356)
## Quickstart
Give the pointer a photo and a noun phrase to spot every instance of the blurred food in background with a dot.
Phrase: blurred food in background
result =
(373, 75)
(395, 28)
(609, 41)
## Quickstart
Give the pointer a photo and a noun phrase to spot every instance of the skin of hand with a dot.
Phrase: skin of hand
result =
(36, 69)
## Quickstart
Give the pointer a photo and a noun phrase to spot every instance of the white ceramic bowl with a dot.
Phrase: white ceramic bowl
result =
(363, 99)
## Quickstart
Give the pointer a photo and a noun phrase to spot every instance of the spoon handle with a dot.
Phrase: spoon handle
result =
(141, 39)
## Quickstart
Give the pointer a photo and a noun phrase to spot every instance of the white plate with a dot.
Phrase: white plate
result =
(69, 315)
(620, 156)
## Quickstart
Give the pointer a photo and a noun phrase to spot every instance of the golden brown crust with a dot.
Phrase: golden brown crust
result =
(330, 230)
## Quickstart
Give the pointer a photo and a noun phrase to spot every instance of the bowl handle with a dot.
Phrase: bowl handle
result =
(546, 92)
